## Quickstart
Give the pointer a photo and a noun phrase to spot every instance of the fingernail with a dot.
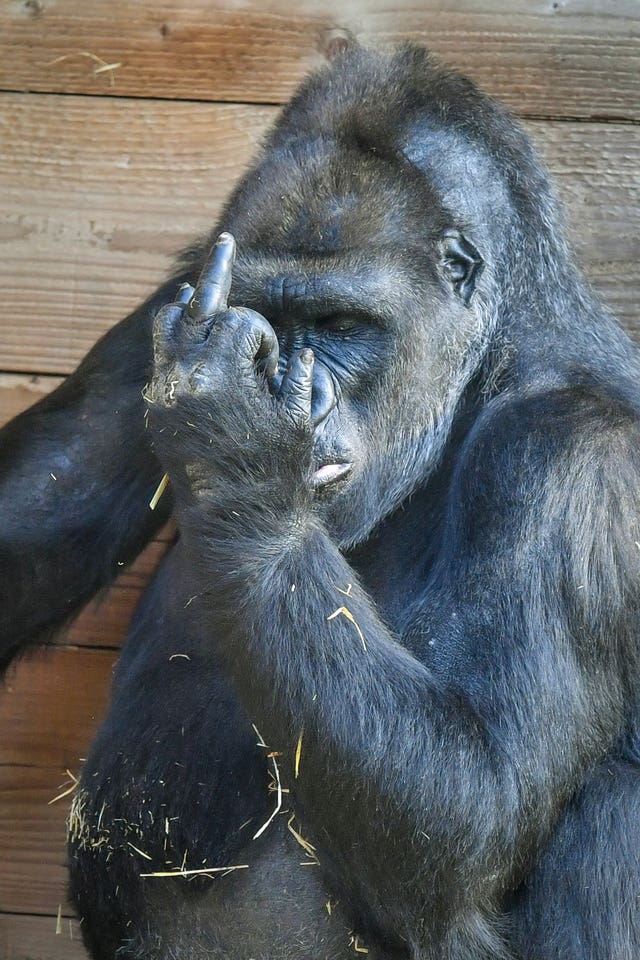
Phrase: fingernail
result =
(307, 355)
(184, 294)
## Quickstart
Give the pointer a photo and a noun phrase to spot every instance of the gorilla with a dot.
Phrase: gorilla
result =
(383, 695)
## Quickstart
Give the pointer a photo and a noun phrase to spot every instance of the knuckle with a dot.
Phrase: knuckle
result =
(296, 407)
(299, 389)
(162, 391)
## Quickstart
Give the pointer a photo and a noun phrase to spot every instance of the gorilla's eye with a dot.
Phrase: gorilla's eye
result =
(338, 323)
(461, 264)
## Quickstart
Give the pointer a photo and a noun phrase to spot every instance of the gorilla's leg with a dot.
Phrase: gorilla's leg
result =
(581, 901)
(176, 780)
(76, 476)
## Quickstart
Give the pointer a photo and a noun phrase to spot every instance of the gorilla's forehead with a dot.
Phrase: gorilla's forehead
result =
(322, 196)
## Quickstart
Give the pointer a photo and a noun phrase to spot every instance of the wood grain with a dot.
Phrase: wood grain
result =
(32, 840)
(50, 704)
(547, 58)
(34, 938)
(98, 193)
(97, 196)
(20, 391)
(58, 725)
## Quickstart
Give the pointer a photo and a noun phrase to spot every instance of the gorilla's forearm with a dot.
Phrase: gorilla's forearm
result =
(76, 475)
(402, 782)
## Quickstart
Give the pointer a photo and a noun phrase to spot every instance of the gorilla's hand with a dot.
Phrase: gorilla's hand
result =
(221, 429)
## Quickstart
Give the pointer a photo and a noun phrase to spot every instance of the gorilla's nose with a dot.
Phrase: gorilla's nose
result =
(325, 393)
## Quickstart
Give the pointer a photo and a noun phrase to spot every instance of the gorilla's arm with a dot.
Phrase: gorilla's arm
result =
(426, 786)
(76, 476)
(429, 787)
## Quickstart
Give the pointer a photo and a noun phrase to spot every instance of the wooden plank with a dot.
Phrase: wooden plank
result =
(98, 193)
(105, 621)
(543, 58)
(597, 174)
(97, 196)
(34, 938)
(20, 391)
(50, 705)
(32, 841)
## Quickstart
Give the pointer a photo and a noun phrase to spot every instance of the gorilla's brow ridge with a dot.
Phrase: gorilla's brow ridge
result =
(317, 292)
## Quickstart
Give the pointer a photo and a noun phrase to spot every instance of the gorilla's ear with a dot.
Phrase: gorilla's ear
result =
(461, 264)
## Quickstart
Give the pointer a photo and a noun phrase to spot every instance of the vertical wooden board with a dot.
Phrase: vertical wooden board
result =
(35, 938)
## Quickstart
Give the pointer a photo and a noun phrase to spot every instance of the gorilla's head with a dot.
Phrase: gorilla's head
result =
(396, 220)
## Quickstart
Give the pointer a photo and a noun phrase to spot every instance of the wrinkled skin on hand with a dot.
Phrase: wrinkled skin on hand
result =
(219, 364)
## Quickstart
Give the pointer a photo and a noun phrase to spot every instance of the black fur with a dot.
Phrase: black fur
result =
(440, 648)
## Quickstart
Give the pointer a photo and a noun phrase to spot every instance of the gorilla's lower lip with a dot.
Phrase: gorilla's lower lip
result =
(329, 472)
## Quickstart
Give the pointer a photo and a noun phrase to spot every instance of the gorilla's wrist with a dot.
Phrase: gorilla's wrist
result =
(236, 541)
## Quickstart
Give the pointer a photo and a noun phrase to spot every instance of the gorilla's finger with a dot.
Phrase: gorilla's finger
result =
(214, 282)
(268, 353)
(297, 385)
(165, 323)
(324, 396)
(184, 294)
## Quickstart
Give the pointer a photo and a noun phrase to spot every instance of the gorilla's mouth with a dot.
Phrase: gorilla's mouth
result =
(329, 473)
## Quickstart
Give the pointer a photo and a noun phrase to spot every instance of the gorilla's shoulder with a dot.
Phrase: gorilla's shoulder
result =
(569, 452)
(550, 483)
(586, 410)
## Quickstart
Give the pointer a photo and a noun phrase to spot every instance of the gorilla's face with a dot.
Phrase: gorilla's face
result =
(353, 256)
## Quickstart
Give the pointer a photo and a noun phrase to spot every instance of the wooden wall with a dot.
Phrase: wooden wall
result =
(122, 127)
